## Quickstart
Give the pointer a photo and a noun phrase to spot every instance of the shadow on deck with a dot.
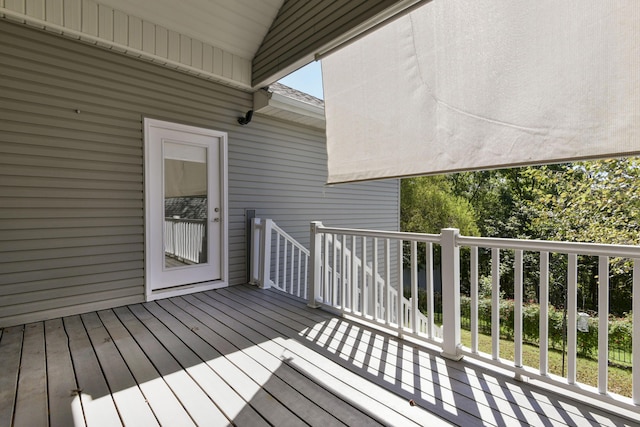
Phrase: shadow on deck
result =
(245, 356)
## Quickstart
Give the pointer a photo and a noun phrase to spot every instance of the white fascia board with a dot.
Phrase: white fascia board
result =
(263, 99)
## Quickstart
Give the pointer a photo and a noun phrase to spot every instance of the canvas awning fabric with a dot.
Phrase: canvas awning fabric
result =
(464, 85)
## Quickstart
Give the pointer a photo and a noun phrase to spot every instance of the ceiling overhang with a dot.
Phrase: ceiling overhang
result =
(305, 31)
(245, 44)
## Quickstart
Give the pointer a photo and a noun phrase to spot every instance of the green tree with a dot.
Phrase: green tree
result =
(595, 201)
(591, 201)
(490, 195)
(429, 205)
(496, 197)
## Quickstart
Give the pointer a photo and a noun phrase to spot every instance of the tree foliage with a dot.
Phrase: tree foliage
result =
(428, 205)
(589, 201)
(597, 201)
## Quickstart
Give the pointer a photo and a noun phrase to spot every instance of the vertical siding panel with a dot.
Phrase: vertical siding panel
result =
(120, 27)
(227, 65)
(55, 11)
(185, 49)
(241, 68)
(236, 67)
(89, 17)
(135, 32)
(35, 8)
(162, 41)
(15, 5)
(105, 22)
(217, 60)
(207, 58)
(196, 53)
(174, 46)
(73, 14)
(148, 37)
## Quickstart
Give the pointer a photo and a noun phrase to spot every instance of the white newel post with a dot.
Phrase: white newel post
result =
(450, 294)
(265, 259)
(315, 264)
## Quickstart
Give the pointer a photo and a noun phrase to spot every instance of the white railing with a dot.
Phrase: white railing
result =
(346, 288)
(336, 282)
(572, 251)
(277, 259)
(185, 239)
(355, 293)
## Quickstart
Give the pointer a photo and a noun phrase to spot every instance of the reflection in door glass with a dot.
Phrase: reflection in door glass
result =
(185, 206)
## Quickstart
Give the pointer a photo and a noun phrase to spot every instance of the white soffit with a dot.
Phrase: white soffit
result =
(458, 85)
(236, 26)
(213, 39)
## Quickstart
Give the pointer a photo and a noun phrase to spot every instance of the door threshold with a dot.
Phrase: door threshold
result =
(185, 289)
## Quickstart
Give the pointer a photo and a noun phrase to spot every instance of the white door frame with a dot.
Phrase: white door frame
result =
(150, 242)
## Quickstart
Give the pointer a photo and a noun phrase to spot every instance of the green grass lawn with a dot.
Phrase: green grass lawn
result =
(619, 379)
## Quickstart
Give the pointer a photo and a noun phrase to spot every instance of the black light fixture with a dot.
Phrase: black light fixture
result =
(246, 119)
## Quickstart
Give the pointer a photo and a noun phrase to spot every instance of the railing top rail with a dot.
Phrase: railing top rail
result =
(595, 249)
(168, 218)
(293, 241)
(581, 248)
(419, 237)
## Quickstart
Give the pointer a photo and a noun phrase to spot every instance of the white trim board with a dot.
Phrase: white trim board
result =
(223, 280)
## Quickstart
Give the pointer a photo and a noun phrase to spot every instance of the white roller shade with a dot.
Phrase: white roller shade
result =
(460, 85)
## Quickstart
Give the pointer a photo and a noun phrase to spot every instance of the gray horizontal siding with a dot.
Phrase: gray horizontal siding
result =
(71, 169)
(288, 183)
(71, 183)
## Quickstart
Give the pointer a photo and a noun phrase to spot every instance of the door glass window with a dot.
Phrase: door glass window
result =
(185, 204)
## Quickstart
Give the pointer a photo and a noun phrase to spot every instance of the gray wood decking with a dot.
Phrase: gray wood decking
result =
(249, 357)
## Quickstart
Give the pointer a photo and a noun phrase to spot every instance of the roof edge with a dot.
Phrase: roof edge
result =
(289, 108)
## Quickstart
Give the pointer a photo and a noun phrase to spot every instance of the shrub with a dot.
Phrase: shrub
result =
(620, 329)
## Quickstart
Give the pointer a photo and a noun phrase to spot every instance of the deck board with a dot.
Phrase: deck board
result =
(31, 400)
(226, 399)
(374, 354)
(289, 398)
(60, 376)
(166, 408)
(250, 391)
(252, 344)
(249, 357)
(130, 402)
(388, 407)
(10, 354)
(348, 387)
(91, 381)
(195, 401)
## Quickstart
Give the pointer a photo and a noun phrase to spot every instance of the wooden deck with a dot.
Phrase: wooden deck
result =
(249, 357)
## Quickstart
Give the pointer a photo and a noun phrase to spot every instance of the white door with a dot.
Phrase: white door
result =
(185, 169)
